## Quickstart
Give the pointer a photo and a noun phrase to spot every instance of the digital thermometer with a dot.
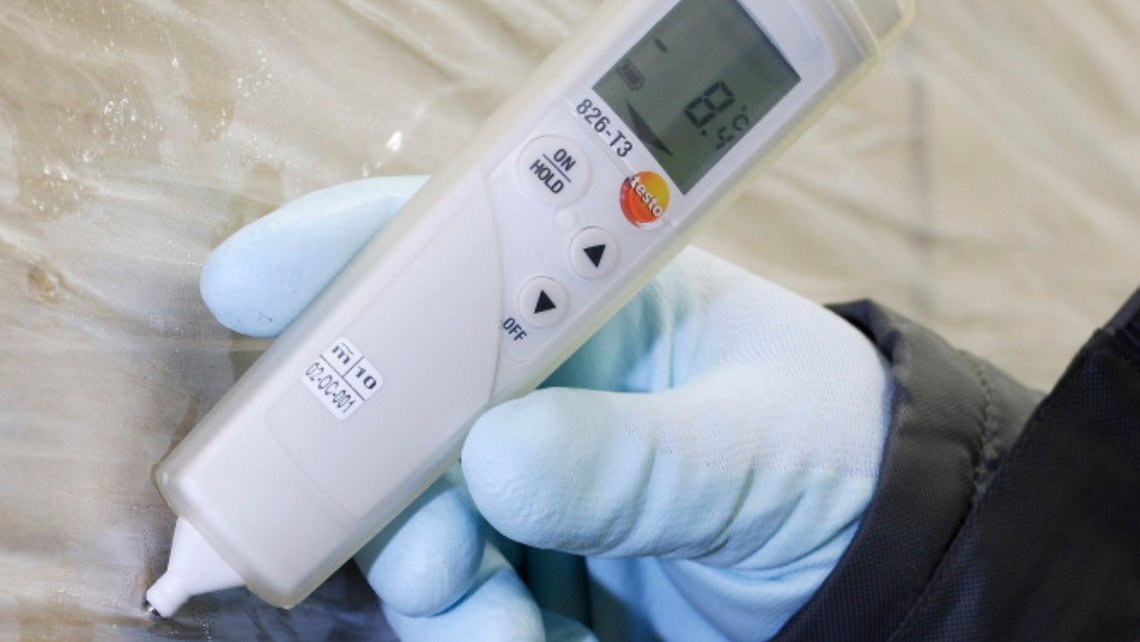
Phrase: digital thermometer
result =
(571, 197)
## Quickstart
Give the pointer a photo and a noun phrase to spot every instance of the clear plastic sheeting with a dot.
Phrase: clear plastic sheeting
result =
(985, 181)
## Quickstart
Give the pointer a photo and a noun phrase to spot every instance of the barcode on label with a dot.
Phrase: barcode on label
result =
(342, 379)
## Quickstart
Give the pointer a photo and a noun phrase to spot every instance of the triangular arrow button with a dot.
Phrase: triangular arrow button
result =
(595, 254)
(544, 303)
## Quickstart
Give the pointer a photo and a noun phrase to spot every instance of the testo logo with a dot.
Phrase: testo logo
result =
(644, 198)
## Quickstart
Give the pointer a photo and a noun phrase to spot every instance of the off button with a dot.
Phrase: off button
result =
(543, 302)
(554, 171)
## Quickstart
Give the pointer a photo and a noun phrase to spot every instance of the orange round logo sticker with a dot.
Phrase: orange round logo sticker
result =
(644, 198)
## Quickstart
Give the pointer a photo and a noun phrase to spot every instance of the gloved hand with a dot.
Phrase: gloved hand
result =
(709, 453)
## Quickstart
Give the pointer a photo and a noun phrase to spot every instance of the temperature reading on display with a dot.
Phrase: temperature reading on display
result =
(713, 102)
(708, 105)
(695, 84)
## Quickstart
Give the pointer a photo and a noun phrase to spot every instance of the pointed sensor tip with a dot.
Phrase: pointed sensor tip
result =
(151, 612)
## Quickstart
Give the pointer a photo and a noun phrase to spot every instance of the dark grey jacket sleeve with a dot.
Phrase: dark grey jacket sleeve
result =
(998, 515)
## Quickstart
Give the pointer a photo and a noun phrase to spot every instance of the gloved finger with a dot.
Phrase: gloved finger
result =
(498, 607)
(426, 559)
(699, 313)
(702, 313)
(560, 628)
(260, 279)
(713, 470)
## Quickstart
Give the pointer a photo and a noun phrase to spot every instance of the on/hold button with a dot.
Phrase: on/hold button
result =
(554, 170)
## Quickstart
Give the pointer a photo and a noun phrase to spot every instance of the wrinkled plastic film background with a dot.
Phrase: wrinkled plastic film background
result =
(985, 182)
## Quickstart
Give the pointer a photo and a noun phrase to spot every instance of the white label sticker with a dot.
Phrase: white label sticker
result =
(342, 379)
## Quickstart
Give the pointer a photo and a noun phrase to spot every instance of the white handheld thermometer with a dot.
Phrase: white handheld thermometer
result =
(567, 202)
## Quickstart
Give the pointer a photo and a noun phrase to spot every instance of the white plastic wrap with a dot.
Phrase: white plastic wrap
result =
(985, 182)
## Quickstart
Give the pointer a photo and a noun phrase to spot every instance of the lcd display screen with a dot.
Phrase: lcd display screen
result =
(700, 80)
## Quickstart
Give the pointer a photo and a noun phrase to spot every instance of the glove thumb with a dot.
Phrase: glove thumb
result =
(711, 470)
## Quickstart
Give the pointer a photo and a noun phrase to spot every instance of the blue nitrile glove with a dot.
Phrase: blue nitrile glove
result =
(710, 451)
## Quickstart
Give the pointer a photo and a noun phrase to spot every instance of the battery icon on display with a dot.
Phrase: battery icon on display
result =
(630, 74)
